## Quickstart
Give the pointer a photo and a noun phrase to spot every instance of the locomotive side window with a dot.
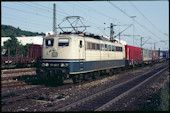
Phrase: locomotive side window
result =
(98, 46)
(63, 42)
(112, 48)
(118, 48)
(88, 45)
(49, 42)
(106, 47)
(102, 47)
(93, 45)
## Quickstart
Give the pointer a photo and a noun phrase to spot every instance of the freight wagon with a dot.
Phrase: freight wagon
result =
(133, 55)
(155, 55)
(146, 56)
(34, 53)
(163, 55)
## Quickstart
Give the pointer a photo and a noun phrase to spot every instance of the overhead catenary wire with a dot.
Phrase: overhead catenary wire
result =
(87, 13)
(134, 19)
(26, 27)
(99, 12)
(146, 18)
(26, 12)
(48, 8)
(23, 17)
(42, 9)
(65, 13)
(27, 21)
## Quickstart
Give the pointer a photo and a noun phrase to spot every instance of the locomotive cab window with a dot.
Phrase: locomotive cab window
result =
(49, 42)
(63, 42)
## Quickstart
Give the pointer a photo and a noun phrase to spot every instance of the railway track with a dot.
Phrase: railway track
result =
(103, 99)
(8, 71)
(17, 94)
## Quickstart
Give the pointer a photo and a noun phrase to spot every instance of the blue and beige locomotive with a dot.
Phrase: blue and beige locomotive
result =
(77, 56)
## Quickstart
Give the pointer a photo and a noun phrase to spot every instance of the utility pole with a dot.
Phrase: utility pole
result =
(119, 37)
(145, 41)
(54, 19)
(141, 42)
(121, 32)
(154, 45)
(111, 32)
(133, 28)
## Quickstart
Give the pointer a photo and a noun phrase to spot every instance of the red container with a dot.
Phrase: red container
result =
(34, 51)
(132, 53)
(155, 53)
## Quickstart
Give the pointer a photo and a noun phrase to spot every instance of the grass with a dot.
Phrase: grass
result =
(12, 66)
(8, 67)
(164, 99)
(158, 101)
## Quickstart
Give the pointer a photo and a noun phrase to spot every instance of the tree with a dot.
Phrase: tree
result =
(13, 44)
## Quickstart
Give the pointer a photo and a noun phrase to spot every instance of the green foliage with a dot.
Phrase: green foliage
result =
(7, 30)
(164, 106)
(13, 43)
(16, 48)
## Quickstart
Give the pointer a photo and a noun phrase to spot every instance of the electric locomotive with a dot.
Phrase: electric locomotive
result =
(69, 55)
(76, 54)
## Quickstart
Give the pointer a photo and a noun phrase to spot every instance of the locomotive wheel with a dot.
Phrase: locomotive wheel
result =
(111, 72)
(93, 75)
(74, 79)
(60, 79)
(43, 75)
(85, 77)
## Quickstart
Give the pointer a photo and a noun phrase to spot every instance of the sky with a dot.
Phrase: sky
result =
(151, 19)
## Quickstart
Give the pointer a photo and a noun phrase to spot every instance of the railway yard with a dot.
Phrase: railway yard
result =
(132, 89)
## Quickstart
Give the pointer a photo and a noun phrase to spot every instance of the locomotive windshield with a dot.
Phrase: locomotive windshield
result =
(49, 42)
(63, 42)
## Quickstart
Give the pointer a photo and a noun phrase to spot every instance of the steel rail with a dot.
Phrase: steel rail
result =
(80, 102)
(8, 71)
(6, 94)
(105, 106)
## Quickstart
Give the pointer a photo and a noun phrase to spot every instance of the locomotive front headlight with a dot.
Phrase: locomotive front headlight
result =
(66, 64)
(43, 64)
(47, 64)
(62, 65)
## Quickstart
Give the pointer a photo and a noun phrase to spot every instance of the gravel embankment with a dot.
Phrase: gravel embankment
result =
(50, 98)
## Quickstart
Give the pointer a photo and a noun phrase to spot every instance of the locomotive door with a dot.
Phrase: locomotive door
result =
(81, 54)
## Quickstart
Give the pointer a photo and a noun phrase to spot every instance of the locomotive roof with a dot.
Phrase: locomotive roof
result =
(98, 37)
